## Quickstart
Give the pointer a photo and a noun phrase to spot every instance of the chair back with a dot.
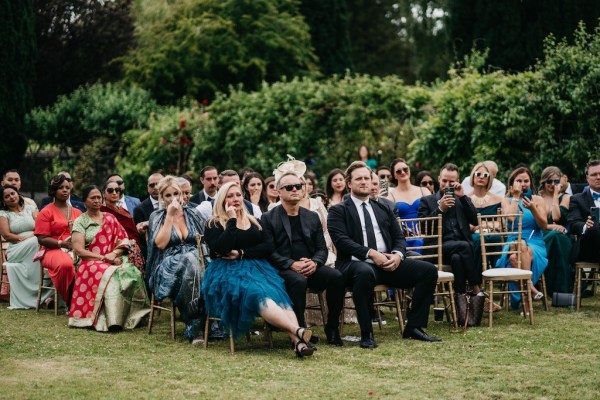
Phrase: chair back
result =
(500, 234)
(428, 229)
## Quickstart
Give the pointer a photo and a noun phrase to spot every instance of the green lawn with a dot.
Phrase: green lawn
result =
(558, 358)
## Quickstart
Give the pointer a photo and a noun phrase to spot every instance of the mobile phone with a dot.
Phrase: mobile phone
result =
(527, 194)
(449, 191)
(595, 214)
(383, 184)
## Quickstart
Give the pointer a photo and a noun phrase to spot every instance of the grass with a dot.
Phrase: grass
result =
(557, 358)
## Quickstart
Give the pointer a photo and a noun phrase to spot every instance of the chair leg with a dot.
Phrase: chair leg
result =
(39, 293)
(545, 298)
(399, 310)
(452, 306)
(322, 306)
(491, 314)
(55, 303)
(231, 342)
(173, 311)
(151, 319)
(206, 325)
(528, 285)
(578, 272)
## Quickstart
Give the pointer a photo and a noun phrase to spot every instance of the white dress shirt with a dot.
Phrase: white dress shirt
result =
(381, 247)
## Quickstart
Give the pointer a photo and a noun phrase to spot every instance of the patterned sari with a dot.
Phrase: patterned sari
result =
(105, 296)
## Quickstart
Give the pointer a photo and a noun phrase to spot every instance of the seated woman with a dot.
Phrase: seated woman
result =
(109, 292)
(335, 188)
(533, 249)
(425, 179)
(559, 276)
(272, 192)
(53, 230)
(17, 220)
(239, 283)
(173, 265)
(255, 190)
(406, 196)
(112, 195)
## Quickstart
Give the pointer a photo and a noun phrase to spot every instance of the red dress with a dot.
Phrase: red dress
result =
(52, 223)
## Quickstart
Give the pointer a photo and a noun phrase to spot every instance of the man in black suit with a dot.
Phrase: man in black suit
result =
(300, 254)
(457, 212)
(209, 177)
(580, 219)
(141, 214)
(370, 250)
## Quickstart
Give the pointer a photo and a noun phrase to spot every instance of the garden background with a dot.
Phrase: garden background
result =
(140, 86)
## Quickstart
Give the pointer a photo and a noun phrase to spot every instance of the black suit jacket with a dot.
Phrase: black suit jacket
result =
(276, 225)
(198, 197)
(345, 230)
(579, 210)
(466, 213)
(142, 212)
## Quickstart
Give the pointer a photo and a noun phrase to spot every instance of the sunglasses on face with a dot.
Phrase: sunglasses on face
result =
(150, 185)
(271, 186)
(426, 183)
(113, 190)
(552, 181)
(385, 176)
(119, 182)
(403, 170)
(69, 180)
(289, 188)
(482, 174)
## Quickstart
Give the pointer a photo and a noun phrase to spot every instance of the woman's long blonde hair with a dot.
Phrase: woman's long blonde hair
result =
(220, 215)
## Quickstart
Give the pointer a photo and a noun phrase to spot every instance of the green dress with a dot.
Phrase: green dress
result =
(559, 273)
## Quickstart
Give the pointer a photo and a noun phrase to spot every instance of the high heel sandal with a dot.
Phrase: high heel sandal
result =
(306, 335)
(304, 351)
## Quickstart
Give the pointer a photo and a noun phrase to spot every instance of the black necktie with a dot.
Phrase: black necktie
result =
(371, 241)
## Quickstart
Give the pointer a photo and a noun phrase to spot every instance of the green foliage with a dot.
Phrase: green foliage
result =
(17, 41)
(165, 146)
(91, 112)
(197, 48)
(326, 121)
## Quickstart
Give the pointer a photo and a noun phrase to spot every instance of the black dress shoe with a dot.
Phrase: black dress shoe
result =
(367, 341)
(333, 336)
(419, 334)
(314, 339)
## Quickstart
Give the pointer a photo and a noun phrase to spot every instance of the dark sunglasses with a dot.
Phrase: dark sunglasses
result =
(426, 183)
(385, 176)
(271, 186)
(119, 182)
(402, 170)
(150, 185)
(113, 190)
(69, 180)
(482, 174)
(552, 181)
(289, 188)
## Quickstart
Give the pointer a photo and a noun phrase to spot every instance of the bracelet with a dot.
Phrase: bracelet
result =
(59, 242)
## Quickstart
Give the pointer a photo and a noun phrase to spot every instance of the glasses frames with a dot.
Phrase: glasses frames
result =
(403, 170)
(482, 174)
(113, 190)
(426, 183)
(552, 181)
(297, 186)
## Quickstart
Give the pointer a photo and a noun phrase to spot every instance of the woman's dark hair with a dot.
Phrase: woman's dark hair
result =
(88, 189)
(425, 174)
(313, 178)
(393, 179)
(517, 172)
(263, 203)
(358, 152)
(55, 183)
(329, 188)
(2, 189)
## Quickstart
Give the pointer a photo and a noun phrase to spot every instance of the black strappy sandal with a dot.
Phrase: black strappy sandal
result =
(306, 335)
(305, 351)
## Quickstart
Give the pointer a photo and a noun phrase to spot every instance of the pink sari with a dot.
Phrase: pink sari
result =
(108, 296)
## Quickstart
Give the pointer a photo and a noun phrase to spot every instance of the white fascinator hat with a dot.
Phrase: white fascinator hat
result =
(292, 165)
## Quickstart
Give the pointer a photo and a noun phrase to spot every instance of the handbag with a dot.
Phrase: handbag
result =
(469, 309)
(563, 300)
(39, 254)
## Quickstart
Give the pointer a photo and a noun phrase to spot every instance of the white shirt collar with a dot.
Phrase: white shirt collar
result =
(359, 202)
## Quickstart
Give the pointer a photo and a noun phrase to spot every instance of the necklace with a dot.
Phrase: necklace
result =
(480, 201)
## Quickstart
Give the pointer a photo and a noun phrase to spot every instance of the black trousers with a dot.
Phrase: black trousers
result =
(589, 246)
(459, 254)
(362, 278)
(324, 278)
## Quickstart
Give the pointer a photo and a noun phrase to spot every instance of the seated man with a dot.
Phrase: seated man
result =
(580, 219)
(300, 254)
(209, 177)
(370, 251)
(186, 191)
(457, 213)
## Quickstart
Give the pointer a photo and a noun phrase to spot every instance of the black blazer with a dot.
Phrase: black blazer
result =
(579, 210)
(142, 212)
(345, 230)
(466, 213)
(198, 197)
(276, 225)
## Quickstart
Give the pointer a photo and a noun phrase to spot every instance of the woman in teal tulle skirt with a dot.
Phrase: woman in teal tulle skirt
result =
(239, 284)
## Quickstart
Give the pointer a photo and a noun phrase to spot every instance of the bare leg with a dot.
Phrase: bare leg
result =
(281, 318)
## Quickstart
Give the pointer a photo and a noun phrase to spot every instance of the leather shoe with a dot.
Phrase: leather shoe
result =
(333, 336)
(367, 341)
(419, 334)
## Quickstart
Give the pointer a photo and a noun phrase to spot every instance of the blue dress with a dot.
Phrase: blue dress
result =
(534, 238)
(236, 290)
(406, 211)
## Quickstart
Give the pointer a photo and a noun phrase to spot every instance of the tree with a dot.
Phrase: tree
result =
(17, 41)
(78, 41)
(197, 48)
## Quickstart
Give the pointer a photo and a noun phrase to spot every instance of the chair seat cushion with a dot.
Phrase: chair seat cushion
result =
(445, 276)
(506, 274)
